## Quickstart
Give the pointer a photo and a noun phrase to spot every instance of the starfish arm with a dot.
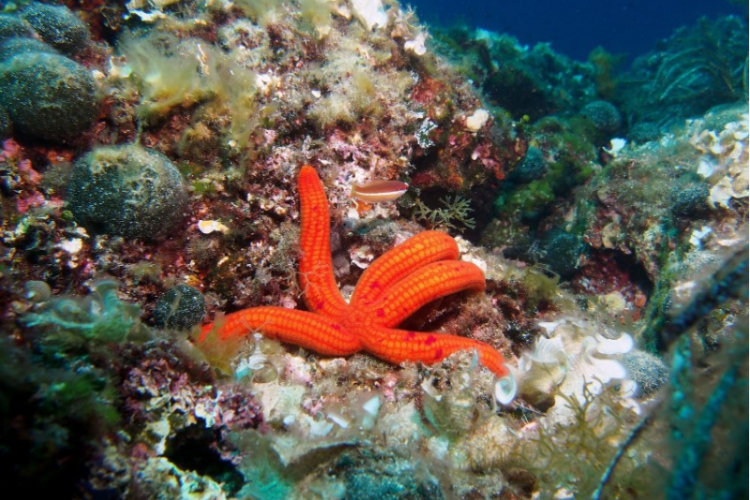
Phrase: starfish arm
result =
(422, 287)
(418, 251)
(318, 333)
(315, 267)
(397, 346)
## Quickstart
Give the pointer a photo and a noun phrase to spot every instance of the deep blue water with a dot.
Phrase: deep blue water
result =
(574, 28)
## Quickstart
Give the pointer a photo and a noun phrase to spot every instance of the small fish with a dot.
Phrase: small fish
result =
(377, 191)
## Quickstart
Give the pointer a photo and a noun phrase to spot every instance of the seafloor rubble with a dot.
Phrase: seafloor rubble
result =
(148, 180)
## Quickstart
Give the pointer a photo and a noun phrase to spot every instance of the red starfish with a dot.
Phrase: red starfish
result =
(405, 278)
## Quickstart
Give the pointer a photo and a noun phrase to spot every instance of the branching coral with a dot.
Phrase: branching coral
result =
(455, 213)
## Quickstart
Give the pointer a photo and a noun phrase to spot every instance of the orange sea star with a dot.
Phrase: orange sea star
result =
(405, 278)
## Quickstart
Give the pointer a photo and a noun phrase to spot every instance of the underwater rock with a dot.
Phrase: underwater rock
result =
(13, 26)
(698, 67)
(160, 478)
(691, 201)
(6, 125)
(646, 370)
(53, 413)
(242, 102)
(20, 45)
(563, 253)
(605, 117)
(643, 132)
(58, 26)
(127, 190)
(369, 475)
(181, 307)
(531, 82)
(48, 96)
(531, 167)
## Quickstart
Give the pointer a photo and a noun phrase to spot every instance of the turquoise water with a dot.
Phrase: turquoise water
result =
(631, 27)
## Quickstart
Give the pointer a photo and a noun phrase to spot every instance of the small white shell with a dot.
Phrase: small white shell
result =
(597, 372)
(615, 146)
(212, 226)
(505, 389)
(697, 236)
(338, 420)
(417, 45)
(477, 120)
(549, 351)
(550, 326)
(318, 428)
(614, 346)
(430, 390)
(72, 245)
(372, 406)
(37, 291)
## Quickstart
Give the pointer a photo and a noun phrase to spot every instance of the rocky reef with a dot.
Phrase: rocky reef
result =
(148, 175)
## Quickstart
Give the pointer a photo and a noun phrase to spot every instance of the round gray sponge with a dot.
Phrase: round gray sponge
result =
(12, 26)
(604, 115)
(58, 26)
(48, 95)
(127, 190)
(181, 307)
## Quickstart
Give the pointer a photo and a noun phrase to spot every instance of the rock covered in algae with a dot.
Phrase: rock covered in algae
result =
(181, 307)
(128, 191)
(48, 96)
(58, 26)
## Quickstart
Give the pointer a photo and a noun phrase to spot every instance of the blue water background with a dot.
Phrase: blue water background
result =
(631, 27)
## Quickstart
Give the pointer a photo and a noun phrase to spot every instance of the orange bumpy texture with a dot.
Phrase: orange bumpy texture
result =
(405, 278)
